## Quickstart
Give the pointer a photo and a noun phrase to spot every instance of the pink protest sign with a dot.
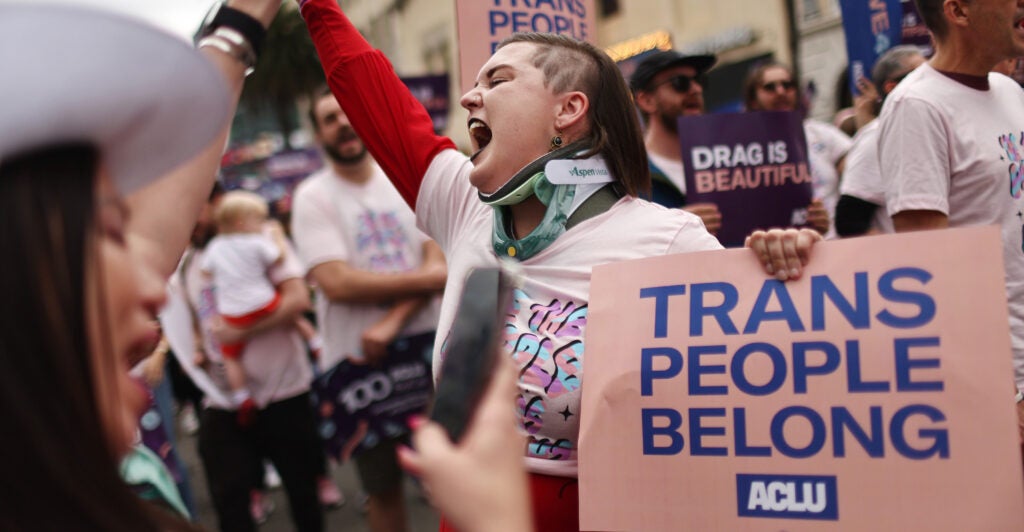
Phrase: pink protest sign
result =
(482, 24)
(872, 394)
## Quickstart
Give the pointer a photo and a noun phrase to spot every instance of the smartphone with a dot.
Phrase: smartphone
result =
(473, 347)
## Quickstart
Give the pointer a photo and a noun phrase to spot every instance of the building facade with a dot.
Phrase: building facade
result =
(822, 53)
(419, 36)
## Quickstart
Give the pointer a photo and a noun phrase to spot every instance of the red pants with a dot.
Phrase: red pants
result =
(556, 504)
(234, 351)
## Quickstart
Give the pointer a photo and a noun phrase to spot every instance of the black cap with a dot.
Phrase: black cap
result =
(664, 59)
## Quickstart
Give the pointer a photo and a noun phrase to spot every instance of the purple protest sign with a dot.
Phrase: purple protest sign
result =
(432, 92)
(753, 166)
(360, 405)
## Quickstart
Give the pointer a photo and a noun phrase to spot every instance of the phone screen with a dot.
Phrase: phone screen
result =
(472, 349)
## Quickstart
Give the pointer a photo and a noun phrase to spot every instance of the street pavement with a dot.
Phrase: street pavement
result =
(348, 518)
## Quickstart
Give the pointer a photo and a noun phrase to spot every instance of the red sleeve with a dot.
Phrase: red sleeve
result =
(394, 125)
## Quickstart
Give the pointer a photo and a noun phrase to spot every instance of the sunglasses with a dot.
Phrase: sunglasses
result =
(682, 83)
(774, 86)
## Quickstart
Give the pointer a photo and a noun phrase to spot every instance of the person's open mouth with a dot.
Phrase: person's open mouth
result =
(481, 135)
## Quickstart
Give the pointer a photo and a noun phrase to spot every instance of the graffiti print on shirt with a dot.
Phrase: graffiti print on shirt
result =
(546, 341)
(1013, 145)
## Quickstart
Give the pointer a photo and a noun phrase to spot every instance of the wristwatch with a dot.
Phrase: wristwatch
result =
(221, 15)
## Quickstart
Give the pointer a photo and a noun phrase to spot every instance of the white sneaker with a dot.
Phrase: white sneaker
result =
(271, 479)
(188, 420)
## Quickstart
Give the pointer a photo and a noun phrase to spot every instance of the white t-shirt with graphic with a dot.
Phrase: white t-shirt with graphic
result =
(946, 147)
(369, 227)
(238, 263)
(545, 338)
(862, 176)
(826, 145)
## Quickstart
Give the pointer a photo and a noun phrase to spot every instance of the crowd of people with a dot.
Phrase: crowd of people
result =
(384, 237)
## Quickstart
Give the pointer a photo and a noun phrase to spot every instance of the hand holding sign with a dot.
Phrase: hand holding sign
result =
(783, 252)
(376, 338)
(708, 213)
(817, 216)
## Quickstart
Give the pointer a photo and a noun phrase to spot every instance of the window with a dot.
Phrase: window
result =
(811, 10)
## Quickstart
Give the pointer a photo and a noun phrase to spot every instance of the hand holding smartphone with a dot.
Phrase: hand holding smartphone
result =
(473, 347)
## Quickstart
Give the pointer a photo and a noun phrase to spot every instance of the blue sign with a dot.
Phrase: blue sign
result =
(872, 27)
(787, 496)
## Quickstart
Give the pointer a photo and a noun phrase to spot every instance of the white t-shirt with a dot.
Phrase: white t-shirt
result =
(862, 176)
(546, 335)
(369, 227)
(275, 361)
(950, 148)
(826, 145)
(672, 169)
(238, 263)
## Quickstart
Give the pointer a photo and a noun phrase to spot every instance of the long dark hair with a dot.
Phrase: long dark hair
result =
(755, 77)
(572, 65)
(58, 471)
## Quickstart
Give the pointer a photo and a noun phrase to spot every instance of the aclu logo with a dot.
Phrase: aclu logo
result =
(787, 496)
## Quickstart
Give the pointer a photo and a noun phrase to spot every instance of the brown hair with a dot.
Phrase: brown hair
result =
(755, 77)
(934, 19)
(59, 471)
(318, 94)
(572, 65)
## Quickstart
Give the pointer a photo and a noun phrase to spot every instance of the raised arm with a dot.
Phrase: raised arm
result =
(394, 125)
(164, 212)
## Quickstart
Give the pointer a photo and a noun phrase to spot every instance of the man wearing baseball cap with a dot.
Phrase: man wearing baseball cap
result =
(667, 85)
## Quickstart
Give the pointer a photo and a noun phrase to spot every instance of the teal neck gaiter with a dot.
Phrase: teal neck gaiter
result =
(557, 198)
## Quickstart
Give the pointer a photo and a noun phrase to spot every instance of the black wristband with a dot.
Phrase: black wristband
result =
(243, 23)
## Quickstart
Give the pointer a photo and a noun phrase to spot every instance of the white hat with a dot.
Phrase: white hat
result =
(145, 98)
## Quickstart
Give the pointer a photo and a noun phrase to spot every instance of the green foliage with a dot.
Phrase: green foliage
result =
(287, 70)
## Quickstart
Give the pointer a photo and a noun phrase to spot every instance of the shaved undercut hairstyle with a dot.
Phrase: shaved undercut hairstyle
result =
(572, 65)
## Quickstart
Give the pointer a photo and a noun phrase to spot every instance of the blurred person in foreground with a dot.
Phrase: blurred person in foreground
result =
(85, 177)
